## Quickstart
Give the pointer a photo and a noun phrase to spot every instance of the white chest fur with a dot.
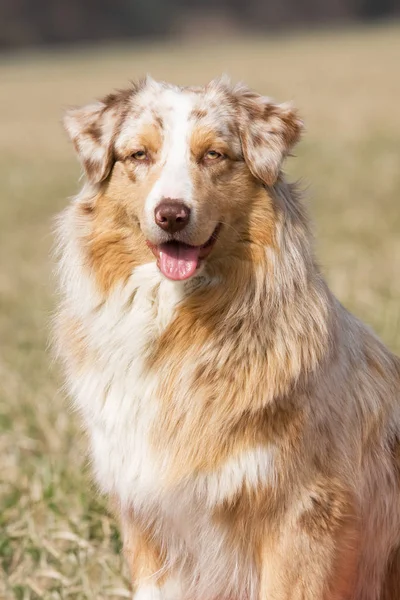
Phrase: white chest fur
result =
(115, 394)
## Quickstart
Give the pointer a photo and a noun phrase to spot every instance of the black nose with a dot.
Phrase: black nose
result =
(172, 215)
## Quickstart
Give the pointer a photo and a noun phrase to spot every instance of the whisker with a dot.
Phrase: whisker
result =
(241, 238)
(231, 227)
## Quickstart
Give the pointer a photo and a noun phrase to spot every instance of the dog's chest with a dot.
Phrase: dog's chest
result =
(117, 395)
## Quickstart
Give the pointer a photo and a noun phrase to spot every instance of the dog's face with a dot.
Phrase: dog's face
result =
(185, 166)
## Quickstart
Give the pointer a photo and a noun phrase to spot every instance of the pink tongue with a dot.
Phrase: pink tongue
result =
(178, 261)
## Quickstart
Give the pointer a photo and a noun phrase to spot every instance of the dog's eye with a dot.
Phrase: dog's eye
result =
(212, 155)
(139, 155)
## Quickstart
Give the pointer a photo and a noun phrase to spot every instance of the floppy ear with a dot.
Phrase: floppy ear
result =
(268, 131)
(91, 129)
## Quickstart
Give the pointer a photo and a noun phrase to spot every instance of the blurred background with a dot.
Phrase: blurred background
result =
(337, 60)
(49, 22)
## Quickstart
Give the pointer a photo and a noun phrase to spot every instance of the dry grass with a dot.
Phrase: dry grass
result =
(56, 538)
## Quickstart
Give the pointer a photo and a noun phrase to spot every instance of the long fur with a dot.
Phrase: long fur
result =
(245, 425)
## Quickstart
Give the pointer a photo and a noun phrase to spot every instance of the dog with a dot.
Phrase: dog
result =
(244, 425)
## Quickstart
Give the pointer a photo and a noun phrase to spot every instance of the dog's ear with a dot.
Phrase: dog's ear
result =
(268, 131)
(92, 129)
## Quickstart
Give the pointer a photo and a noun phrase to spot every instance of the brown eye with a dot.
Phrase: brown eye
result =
(140, 155)
(212, 155)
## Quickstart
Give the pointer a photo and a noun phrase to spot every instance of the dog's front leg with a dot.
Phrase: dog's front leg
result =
(150, 576)
(315, 553)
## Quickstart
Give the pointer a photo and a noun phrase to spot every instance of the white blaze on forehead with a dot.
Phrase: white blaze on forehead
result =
(175, 181)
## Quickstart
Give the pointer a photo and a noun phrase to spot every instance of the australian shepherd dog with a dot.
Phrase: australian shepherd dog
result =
(245, 426)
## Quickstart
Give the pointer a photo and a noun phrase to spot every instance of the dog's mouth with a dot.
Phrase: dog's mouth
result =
(179, 261)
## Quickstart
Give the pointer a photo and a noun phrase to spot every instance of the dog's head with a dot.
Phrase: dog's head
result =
(184, 166)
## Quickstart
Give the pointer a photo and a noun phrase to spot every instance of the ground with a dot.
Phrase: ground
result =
(57, 539)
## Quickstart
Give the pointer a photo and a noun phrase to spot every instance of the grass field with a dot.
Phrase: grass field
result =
(56, 537)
